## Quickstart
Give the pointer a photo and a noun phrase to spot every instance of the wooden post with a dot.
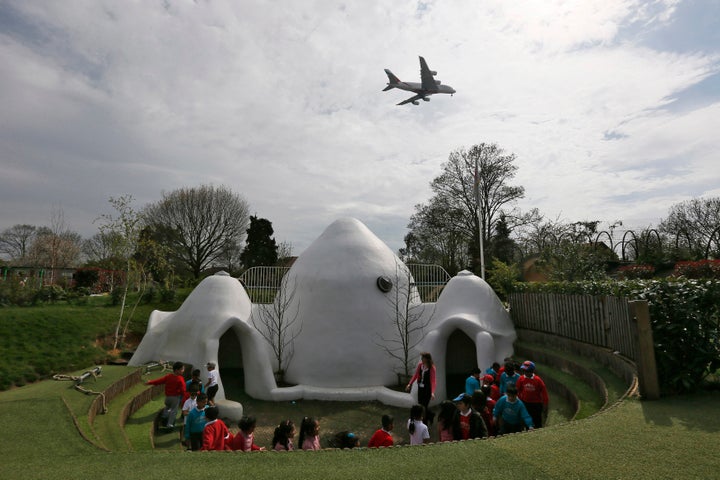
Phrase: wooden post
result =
(642, 335)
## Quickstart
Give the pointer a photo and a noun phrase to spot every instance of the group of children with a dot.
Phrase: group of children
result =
(178, 391)
(508, 401)
(499, 402)
(214, 434)
(202, 427)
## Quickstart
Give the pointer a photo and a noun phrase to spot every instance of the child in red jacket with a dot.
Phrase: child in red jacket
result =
(533, 393)
(383, 437)
(216, 435)
(174, 393)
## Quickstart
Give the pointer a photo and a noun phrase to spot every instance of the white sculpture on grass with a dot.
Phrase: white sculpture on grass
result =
(340, 314)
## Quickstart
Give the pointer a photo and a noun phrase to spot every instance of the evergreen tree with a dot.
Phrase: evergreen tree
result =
(261, 249)
(502, 247)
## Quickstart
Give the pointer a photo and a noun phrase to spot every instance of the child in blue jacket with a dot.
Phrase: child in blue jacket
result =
(510, 413)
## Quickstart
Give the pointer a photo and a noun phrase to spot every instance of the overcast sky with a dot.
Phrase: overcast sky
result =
(611, 106)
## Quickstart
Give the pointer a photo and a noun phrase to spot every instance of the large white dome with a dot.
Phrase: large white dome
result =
(343, 312)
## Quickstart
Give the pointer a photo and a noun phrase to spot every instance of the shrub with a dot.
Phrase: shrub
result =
(5, 382)
(149, 295)
(502, 277)
(14, 292)
(698, 269)
(634, 272)
(49, 294)
(116, 296)
(167, 295)
(77, 297)
(685, 319)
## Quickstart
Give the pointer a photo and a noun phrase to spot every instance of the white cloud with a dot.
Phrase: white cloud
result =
(282, 102)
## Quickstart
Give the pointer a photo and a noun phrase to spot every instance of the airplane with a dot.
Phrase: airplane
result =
(428, 86)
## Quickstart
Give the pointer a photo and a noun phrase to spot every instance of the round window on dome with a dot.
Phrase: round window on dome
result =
(384, 284)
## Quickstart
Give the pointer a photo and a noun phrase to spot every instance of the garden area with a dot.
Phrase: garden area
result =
(626, 438)
(634, 439)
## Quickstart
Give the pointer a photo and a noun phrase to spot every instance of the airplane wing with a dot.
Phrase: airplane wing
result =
(427, 76)
(412, 99)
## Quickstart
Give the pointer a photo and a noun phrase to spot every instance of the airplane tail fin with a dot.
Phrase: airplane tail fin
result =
(393, 80)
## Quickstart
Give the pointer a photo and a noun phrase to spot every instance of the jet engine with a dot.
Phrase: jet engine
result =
(437, 82)
(415, 102)
(427, 99)
(433, 72)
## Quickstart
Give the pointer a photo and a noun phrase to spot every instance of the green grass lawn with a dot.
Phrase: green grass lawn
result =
(632, 440)
(671, 438)
(635, 440)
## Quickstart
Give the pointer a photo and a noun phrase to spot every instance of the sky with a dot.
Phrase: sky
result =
(610, 106)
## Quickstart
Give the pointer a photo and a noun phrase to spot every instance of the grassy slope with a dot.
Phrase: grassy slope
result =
(634, 440)
(38, 341)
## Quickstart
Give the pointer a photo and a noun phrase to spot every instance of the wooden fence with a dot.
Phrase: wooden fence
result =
(621, 326)
(604, 321)
(100, 402)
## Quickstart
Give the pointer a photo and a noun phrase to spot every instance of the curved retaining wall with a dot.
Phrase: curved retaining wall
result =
(577, 370)
(138, 401)
(100, 402)
(621, 366)
(563, 391)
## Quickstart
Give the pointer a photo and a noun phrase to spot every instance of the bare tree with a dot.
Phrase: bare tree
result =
(279, 325)
(695, 227)
(437, 237)
(55, 246)
(285, 251)
(124, 231)
(408, 318)
(474, 188)
(16, 240)
(199, 224)
(100, 249)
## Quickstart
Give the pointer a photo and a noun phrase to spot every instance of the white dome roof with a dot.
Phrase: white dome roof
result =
(343, 312)
(467, 293)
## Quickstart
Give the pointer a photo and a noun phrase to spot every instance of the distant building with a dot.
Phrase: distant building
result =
(37, 277)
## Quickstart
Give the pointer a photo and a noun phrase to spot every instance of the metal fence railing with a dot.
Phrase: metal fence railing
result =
(262, 283)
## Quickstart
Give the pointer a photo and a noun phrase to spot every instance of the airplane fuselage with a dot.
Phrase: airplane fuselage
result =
(416, 87)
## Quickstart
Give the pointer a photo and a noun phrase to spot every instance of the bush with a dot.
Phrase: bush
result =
(5, 382)
(502, 277)
(167, 295)
(634, 272)
(685, 319)
(116, 296)
(698, 269)
(149, 295)
(14, 292)
(78, 296)
(49, 294)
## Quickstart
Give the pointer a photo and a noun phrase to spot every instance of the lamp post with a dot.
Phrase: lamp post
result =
(480, 220)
